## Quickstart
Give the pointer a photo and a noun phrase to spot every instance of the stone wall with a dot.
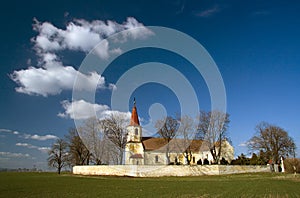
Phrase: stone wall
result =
(163, 170)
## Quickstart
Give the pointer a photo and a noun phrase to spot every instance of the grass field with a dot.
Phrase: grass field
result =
(14, 184)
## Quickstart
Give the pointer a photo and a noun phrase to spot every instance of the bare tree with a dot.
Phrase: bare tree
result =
(273, 141)
(212, 129)
(186, 133)
(79, 154)
(167, 129)
(97, 143)
(114, 128)
(58, 155)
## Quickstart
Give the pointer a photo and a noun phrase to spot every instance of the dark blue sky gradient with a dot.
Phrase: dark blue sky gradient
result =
(254, 43)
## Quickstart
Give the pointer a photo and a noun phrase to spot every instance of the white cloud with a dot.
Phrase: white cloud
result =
(51, 76)
(81, 109)
(5, 130)
(43, 137)
(9, 131)
(39, 137)
(243, 144)
(83, 35)
(137, 30)
(14, 155)
(125, 115)
(42, 149)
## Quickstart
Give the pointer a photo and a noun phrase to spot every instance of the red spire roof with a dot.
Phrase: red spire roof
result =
(134, 121)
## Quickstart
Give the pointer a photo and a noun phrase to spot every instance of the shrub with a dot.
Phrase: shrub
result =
(205, 162)
(224, 161)
(199, 162)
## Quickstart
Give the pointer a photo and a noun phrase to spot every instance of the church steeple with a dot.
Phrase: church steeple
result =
(134, 121)
(134, 151)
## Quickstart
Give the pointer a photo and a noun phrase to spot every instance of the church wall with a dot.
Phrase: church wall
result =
(133, 148)
(154, 158)
(159, 158)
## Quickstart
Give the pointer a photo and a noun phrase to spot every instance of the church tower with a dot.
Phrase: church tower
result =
(134, 151)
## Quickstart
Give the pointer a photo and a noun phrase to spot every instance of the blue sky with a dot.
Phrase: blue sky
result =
(255, 45)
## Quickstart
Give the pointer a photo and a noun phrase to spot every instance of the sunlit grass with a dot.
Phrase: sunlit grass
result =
(68, 185)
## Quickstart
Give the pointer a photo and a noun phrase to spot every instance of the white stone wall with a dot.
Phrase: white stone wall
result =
(164, 170)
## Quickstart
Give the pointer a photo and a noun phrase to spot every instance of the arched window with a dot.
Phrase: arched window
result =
(156, 158)
(136, 131)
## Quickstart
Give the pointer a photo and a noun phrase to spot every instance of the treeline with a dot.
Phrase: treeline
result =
(254, 160)
(94, 142)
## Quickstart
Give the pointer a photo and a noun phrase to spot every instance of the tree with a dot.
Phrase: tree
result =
(186, 133)
(273, 141)
(95, 140)
(114, 128)
(212, 129)
(167, 130)
(58, 155)
(78, 152)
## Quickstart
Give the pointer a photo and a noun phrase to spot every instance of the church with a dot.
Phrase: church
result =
(141, 150)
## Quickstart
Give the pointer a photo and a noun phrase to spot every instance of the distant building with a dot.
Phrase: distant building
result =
(141, 150)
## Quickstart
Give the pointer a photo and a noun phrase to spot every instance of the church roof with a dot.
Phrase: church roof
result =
(134, 121)
(175, 145)
(137, 156)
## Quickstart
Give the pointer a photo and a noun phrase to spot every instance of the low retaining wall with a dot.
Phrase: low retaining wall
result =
(161, 171)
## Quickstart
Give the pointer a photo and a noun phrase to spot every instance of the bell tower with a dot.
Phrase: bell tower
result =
(134, 151)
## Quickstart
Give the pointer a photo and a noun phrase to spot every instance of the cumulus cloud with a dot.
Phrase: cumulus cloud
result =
(81, 110)
(125, 115)
(42, 149)
(14, 155)
(40, 137)
(9, 131)
(30, 136)
(51, 76)
(83, 35)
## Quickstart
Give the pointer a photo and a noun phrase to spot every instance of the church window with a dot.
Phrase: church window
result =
(194, 160)
(136, 132)
(156, 158)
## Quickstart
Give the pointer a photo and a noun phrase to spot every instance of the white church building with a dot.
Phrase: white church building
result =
(141, 150)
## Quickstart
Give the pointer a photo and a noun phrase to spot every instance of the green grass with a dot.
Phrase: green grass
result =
(67, 185)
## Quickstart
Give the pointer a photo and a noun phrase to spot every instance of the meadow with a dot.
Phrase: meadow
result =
(14, 184)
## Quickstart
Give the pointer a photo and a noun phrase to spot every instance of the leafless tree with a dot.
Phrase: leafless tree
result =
(95, 140)
(78, 152)
(185, 134)
(58, 155)
(114, 128)
(167, 129)
(186, 129)
(273, 141)
(212, 129)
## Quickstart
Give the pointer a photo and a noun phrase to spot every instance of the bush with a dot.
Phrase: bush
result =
(205, 162)
(199, 162)
(290, 163)
(224, 161)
